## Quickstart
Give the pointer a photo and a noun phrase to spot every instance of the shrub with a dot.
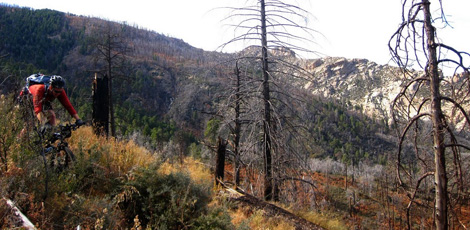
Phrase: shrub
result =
(324, 219)
(9, 128)
(170, 201)
(215, 219)
(260, 221)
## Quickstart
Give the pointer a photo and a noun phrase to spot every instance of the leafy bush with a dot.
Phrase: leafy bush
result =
(9, 128)
(20, 166)
(215, 219)
(170, 201)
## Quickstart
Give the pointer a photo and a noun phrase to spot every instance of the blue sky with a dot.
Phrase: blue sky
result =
(349, 28)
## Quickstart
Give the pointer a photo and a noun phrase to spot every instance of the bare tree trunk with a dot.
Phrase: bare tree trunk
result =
(440, 174)
(237, 129)
(276, 185)
(268, 186)
(417, 36)
(110, 86)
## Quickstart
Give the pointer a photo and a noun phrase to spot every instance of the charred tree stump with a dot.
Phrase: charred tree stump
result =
(220, 160)
(100, 116)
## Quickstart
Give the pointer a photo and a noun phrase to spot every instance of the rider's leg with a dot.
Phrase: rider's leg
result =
(51, 118)
(49, 112)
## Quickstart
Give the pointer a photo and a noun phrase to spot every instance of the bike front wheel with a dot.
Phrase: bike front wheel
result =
(62, 159)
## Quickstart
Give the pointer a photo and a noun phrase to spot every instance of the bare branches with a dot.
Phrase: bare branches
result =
(460, 65)
(281, 19)
(413, 196)
(428, 103)
(409, 39)
(400, 145)
(111, 50)
(271, 135)
(5, 79)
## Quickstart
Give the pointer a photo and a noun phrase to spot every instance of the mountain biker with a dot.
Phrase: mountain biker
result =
(42, 98)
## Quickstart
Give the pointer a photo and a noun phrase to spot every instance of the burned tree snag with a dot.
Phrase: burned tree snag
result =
(220, 160)
(100, 105)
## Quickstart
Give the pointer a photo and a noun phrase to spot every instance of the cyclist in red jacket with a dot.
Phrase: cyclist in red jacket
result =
(43, 97)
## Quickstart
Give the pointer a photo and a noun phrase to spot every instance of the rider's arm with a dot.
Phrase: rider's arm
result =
(64, 100)
(76, 116)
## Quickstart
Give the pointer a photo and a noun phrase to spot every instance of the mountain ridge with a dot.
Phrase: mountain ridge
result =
(171, 81)
(337, 78)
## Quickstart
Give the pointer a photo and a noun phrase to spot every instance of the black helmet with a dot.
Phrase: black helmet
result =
(57, 81)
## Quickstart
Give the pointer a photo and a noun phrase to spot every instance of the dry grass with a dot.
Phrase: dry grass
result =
(324, 220)
(258, 220)
(198, 172)
(120, 156)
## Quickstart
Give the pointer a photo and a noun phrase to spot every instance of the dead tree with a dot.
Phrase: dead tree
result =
(237, 128)
(267, 24)
(100, 116)
(426, 111)
(110, 57)
(236, 113)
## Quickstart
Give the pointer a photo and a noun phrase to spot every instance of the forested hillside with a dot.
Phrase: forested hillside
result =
(175, 106)
(168, 86)
(41, 38)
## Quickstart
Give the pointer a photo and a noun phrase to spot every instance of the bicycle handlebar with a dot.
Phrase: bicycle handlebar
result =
(65, 131)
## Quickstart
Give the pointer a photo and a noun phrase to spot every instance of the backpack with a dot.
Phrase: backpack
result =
(37, 78)
(34, 79)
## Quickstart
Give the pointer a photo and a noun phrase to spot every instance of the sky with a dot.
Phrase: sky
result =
(347, 28)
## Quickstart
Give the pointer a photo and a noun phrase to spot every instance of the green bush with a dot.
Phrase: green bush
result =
(215, 219)
(21, 167)
(164, 201)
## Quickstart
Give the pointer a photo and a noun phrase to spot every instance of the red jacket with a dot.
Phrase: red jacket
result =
(38, 91)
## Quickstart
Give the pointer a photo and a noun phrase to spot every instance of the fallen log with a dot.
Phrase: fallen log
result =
(240, 196)
(17, 217)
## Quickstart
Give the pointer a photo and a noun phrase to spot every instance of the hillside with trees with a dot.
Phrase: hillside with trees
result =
(326, 155)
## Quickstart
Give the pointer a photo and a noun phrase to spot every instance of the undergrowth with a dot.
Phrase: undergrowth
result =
(114, 184)
(119, 185)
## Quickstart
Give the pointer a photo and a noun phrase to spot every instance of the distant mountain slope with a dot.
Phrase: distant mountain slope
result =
(58, 47)
(171, 81)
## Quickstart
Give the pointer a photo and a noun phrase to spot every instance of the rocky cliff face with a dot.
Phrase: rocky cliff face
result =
(372, 88)
(357, 82)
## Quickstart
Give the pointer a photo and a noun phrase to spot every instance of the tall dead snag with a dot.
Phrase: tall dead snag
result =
(267, 123)
(269, 26)
(237, 128)
(430, 114)
(110, 58)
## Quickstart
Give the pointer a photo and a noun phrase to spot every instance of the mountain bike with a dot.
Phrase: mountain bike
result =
(51, 145)
(56, 150)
